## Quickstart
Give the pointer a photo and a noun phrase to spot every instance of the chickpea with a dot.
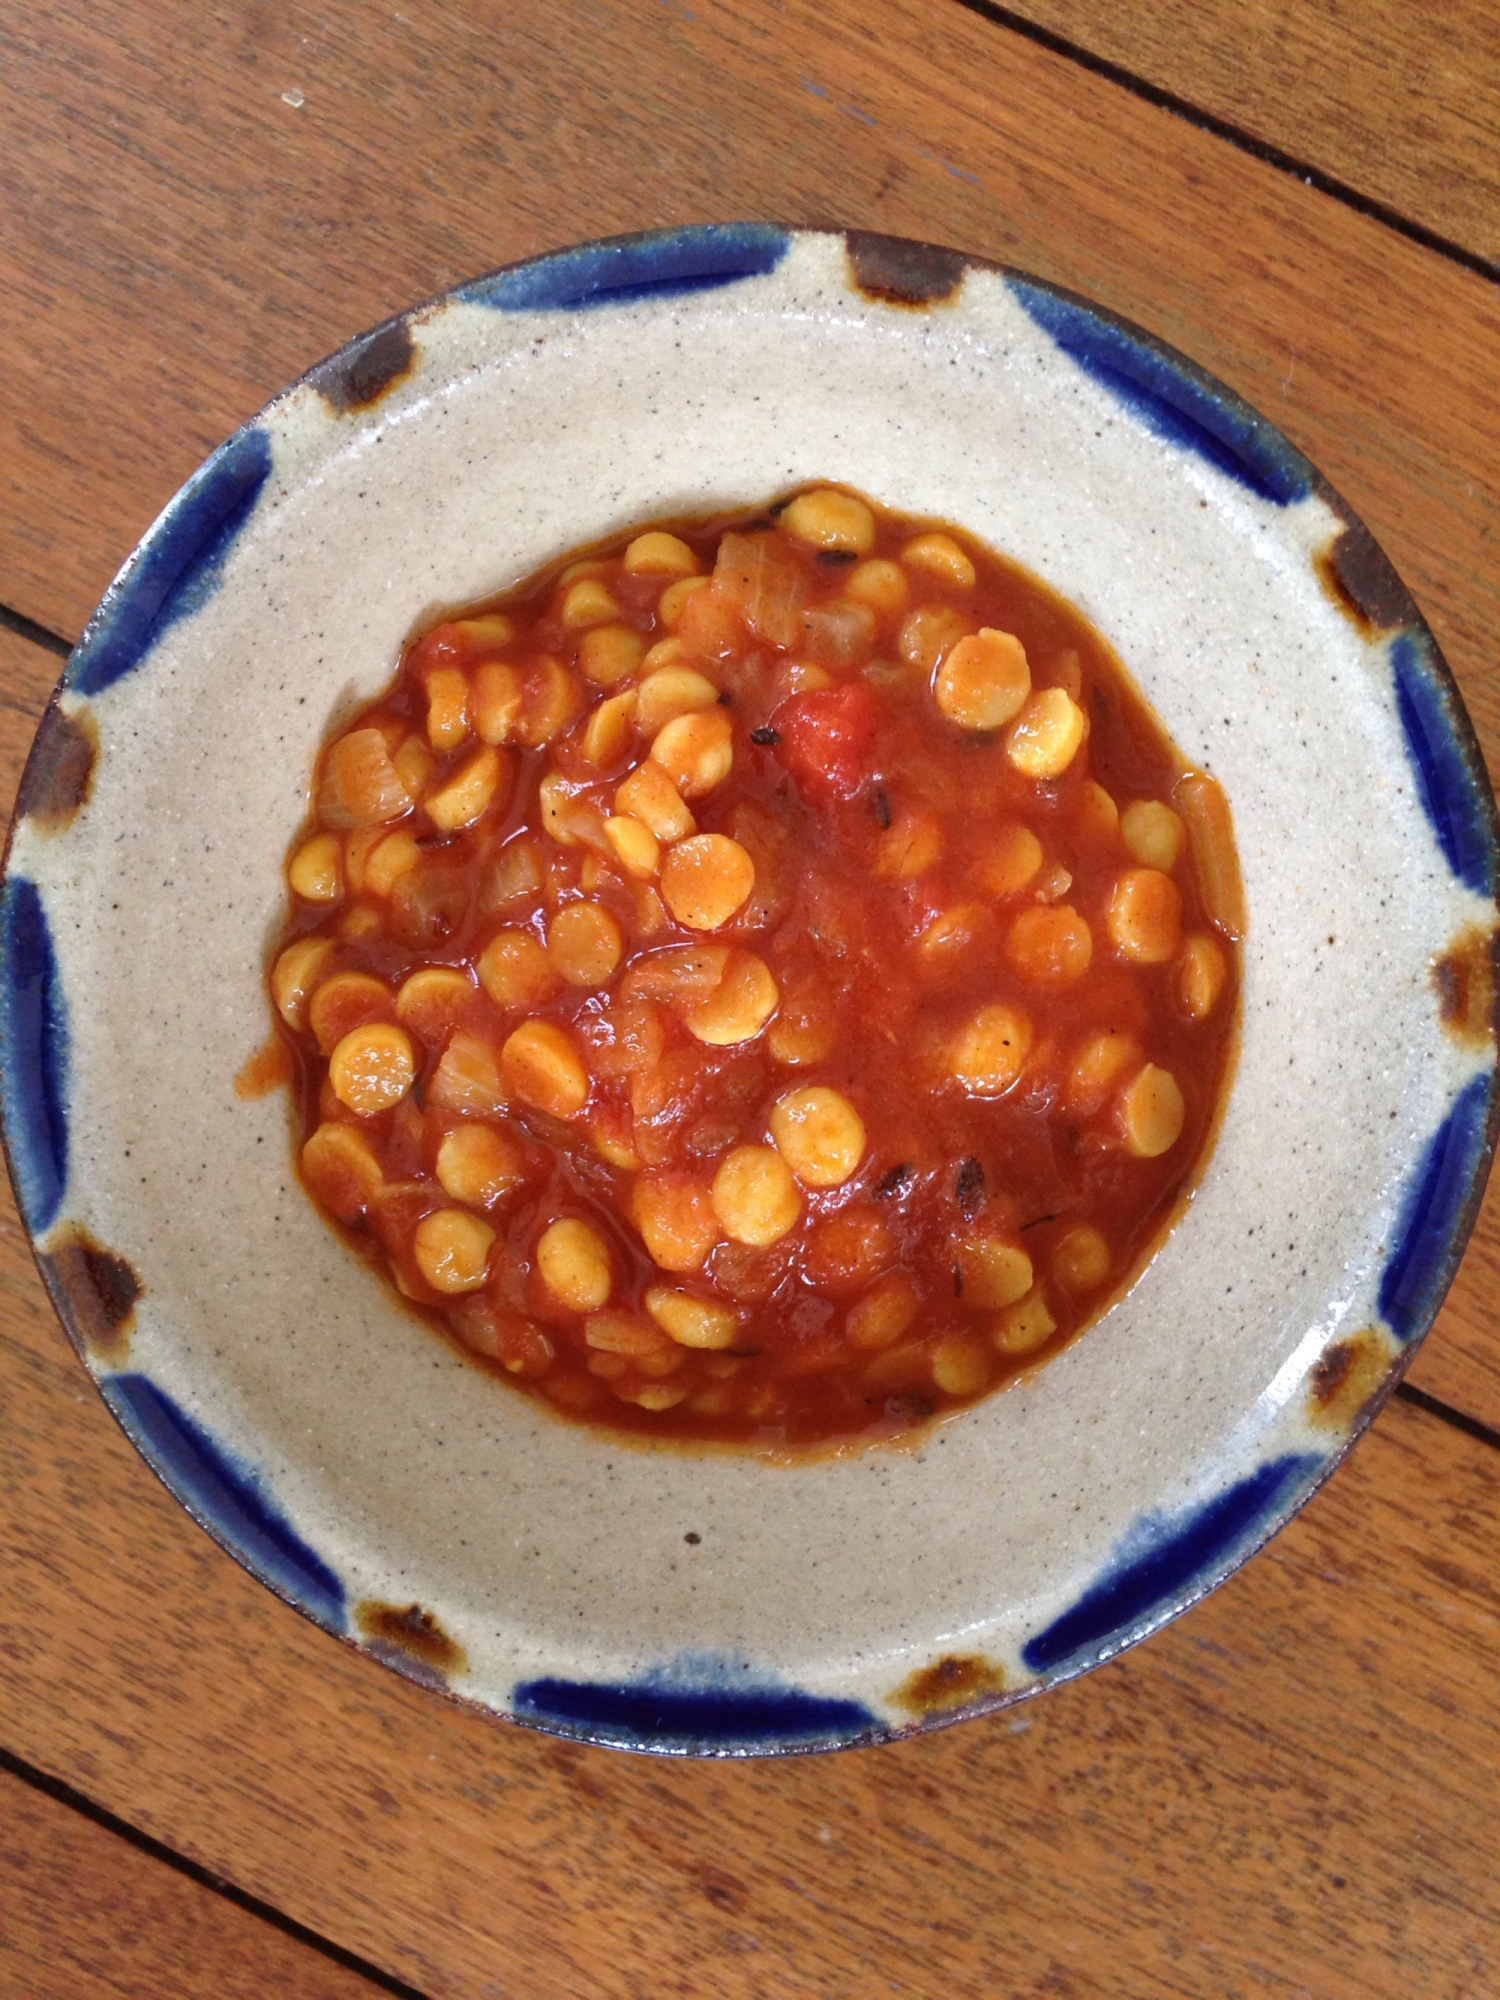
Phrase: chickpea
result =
(1144, 917)
(314, 872)
(294, 976)
(346, 1001)
(606, 735)
(452, 1250)
(691, 1321)
(880, 584)
(960, 1365)
(820, 1135)
(696, 751)
(468, 793)
(755, 1196)
(1201, 973)
(995, 1273)
(479, 1164)
(671, 691)
(574, 1262)
(705, 880)
(340, 1166)
(1080, 1262)
(989, 1052)
(360, 784)
(1049, 943)
(650, 796)
(634, 845)
(883, 1314)
(1023, 1327)
(738, 1008)
(1152, 1113)
(585, 944)
(677, 1222)
(542, 1066)
(1012, 857)
(431, 1000)
(984, 679)
(1153, 833)
(609, 653)
(831, 520)
(515, 971)
(675, 597)
(372, 1068)
(657, 553)
(447, 707)
(498, 695)
(929, 633)
(941, 557)
(589, 601)
(467, 1080)
(1047, 735)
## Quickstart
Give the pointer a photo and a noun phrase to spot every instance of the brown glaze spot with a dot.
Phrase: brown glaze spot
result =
(951, 1682)
(411, 1640)
(1357, 575)
(59, 773)
(269, 1067)
(366, 370)
(1466, 979)
(899, 273)
(1346, 1376)
(96, 1292)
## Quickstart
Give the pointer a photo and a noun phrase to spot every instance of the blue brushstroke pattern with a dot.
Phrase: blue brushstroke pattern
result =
(665, 264)
(700, 1703)
(1182, 1558)
(225, 1497)
(1170, 397)
(1449, 776)
(1417, 1271)
(34, 1054)
(177, 568)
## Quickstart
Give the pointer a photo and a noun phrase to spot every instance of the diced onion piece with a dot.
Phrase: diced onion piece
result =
(1144, 917)
(759, 581)
(656, 553)
(1151, 1113)
(360, 783)
(314, 871)
(755, 1196)
(574, 1262)
(479, 1164)
(294, 976)
(543, 1068)
(468, 793)
(990, 1050)
(650, 796)
(706, 879)
(984, 679)
(372, 1068)
(340, 1166)
(1153, 833)
(689, 1320)
(452, 1250)
(1047, 735)
(995, 1273)
(738, 1008)
(840, 633)
(1201, 973)
(831, 520)
(467, 1080)
(1023, 1327)
(941, 557)
(819, 1134)
(696, 751)
(585, 944)
(516, 971)
(683, 973)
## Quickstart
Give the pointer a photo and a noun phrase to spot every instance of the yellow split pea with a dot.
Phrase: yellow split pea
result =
(820, 1135)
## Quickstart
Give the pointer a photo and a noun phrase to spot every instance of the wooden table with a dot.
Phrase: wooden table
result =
(1292, 1791)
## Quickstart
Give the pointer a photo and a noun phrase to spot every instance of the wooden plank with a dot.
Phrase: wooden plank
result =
(182, 241)
(84, 1913)
(1289, 1792)
(1400, 103)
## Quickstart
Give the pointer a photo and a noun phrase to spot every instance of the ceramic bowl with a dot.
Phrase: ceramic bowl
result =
(710, 1602)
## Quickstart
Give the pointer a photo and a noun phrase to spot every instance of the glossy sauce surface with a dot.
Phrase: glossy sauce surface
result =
(764, 981)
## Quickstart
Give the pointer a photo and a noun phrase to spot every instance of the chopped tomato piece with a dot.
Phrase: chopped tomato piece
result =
(826, 739)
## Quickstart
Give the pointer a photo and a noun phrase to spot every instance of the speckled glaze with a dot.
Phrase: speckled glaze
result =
(706, 1602)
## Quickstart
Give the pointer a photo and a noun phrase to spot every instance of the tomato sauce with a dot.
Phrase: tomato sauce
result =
(766, 980)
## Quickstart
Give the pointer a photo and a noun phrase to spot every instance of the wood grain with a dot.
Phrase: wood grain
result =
(1288, 1792)
(1401, 103)
(182, 242)
(83, 1914)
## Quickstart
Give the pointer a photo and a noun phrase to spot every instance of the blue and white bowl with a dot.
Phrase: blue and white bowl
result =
(709, 1602)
